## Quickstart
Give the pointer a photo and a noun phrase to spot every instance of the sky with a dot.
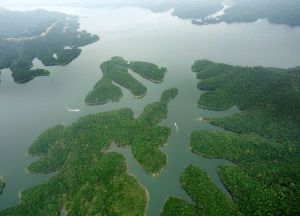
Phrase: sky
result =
(19, 3)
(10, 3)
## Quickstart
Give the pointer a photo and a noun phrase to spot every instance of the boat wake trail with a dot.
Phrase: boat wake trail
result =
(176, 126)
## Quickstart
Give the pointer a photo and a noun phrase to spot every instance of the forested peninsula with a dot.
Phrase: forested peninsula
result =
(203, 12)
(263, 141)
(115, 71)
(243, 11)
(90, 180)
(51, 37)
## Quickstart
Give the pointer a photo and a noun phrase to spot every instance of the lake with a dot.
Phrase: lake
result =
(135, 34)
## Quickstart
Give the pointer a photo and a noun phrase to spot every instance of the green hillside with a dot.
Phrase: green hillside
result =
(115, 71)
(89, 180)
(264, 142)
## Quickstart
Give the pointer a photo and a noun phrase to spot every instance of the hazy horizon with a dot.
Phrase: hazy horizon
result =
(11, 3)
(91, 3)
(149, 107)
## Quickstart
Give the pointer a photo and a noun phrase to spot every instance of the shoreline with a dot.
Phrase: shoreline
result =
(2, 184)
(152, 80)
(39, 173)
(107, 150)
(140, 96)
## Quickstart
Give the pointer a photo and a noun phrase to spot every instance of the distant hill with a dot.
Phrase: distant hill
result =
(187, 9)
(51, 37)
(2, 10)
(276, 11)
(17, 23)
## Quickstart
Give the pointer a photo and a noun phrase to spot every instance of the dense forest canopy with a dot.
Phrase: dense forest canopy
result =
(275, 11)
(207, 198)
(89, 180)
(264, 142)
(29, 23)
(262, 139)
(115, 71)
(51, 37)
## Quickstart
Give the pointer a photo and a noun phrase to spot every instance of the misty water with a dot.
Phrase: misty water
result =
(28, 109)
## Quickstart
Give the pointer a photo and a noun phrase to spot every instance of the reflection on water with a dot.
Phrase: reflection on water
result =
(28, 109)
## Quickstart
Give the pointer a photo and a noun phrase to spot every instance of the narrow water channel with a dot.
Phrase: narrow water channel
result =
(135, 34)
(184, 112)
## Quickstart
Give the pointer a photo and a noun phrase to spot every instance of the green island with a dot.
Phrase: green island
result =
(116, 71)
(51, 37)
(268, 98)
(89, 180)
(235, 11)
(278, 12)
(263, 141)
(187, 9)
(207, 198)
(204, 12)
(148, 70)
(2, 184)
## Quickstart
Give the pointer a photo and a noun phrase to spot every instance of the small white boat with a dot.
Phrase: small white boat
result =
(72, 110)
(200, 119)
(176, 126)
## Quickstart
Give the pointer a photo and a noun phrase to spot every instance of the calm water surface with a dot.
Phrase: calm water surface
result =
(28, 109)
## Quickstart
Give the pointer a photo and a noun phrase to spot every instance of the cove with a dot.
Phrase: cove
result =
(29, 109)
(179, 155)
